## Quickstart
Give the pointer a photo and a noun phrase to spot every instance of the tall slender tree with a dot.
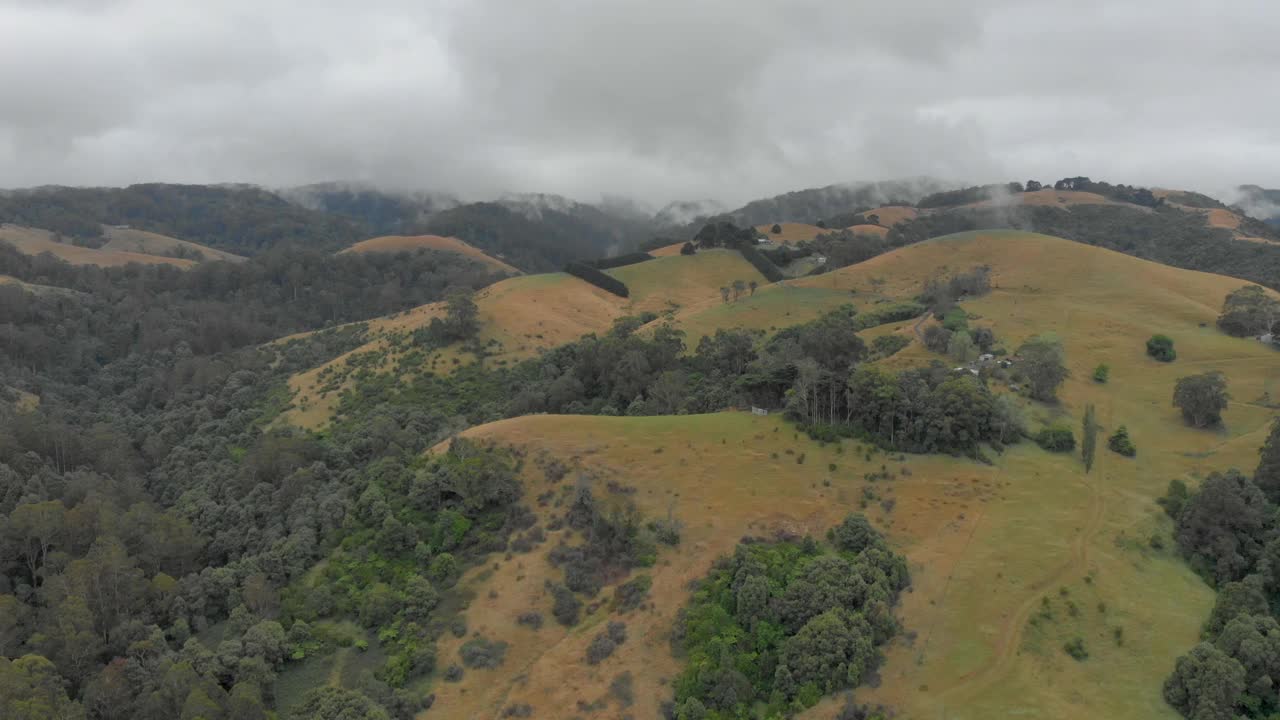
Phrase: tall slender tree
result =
(1089, 435)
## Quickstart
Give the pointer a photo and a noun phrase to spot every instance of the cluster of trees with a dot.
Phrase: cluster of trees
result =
(781, 624)
(113, 313)
(736, 288)
(600, 279)
(1227, 530)
(1121, 193)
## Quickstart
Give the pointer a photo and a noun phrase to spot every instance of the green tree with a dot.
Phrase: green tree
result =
(1043, 362)
(1088, 437)
(1206, 684)
(1160, 347)
(332, 703)
(1249, 310)
(1267, 476)
(752, 286)
(1102, 373)
(1202, 398)
(961, 348)
(31, 689)
(1121, 443)
(462, 316)
(832, 650)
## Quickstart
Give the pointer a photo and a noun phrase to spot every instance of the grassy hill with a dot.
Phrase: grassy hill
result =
(397, 243)
(33, 241)
(149, 243)
(1009, 560)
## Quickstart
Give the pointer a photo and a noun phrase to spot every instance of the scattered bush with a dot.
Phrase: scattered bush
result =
(621, 689)
(1120, 442)
(1160, 347)
(1056, 438)
(482, 653)
(453, 673)
(603, 644)
(530, 619)
(566, 607)
(1075, 648)
(887, 345)
(629, 595)
(1102, 373)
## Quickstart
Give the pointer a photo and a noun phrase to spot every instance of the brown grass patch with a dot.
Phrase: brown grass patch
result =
(149, 243)
(792, 232)
(398, 243)
(33, 241)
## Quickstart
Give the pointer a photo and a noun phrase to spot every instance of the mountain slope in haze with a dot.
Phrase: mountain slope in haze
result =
(814, 204)
(1261, 203)
(35, 241)
(239, 219)
(149, 243)
(381, 212)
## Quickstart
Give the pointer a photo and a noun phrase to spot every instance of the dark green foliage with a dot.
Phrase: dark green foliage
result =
(887, 345)
(1102, 373)
(937, 339)
(724, 234)
(1175, 498)
(480, 652)
(1043, 362)
(923, 410)
(621, 260)
(566, 607)
(331, 703)
(1076, 649)
(965, 196)
(782, 624)
(631, 594)
(1121, 443)
(1160, 347)
(605, 282)
(1056, 438)
(1267, 476)
(1223, 526)
(1206, 684)
(1088, 437)
(776, 229)
(761, 263)
(1202, 398)
(688, 249)
(1249, 311)
(1245, 597)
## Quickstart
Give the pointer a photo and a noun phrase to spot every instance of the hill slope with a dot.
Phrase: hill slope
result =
(990, 546)
(397, 243)
(33, 241)
(149, 243)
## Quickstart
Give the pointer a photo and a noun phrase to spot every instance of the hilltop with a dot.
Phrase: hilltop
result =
(34, 241)
(397, 243)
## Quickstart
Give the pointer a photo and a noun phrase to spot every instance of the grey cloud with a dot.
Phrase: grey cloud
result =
(657, 100)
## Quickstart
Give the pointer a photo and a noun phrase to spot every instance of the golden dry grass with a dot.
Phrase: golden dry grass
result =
(33, 241)
(868, 230)
(986, 543)
(667, 250)
(792, 232)
(397, 243)
(683, 280)
(890, 215)
(149, 243)
(1055, 198)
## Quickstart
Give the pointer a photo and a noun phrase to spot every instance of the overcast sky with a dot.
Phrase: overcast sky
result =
(654, 99)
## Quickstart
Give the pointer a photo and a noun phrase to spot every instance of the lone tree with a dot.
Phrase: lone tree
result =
(776, 229)
(688, 249)
(724, 293)
(1043, 362)
(1160, 347)
(753, 285)
(1202, 398)
(1088, 438)
(739, 287)
(1121, 443)
(1249, 311)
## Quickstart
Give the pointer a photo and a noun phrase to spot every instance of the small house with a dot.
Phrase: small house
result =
(758, 411)
(986, 357)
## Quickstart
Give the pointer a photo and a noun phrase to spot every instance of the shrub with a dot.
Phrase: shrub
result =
(1056, 438)
(621, 689)
(629, 595)
(688, 249)
(453, 673)
(1075, 648)
(776, 229)
(530, 619)
(887, 345)
(482, 653)
(566, 607)
(1160, 347)
(1121, 443)
(601, 280)
(1102, 373)
(603, 645)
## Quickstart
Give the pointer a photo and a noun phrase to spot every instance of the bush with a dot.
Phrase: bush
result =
(530, 619)
(1121, 443)
(608, 283)
(1102, 373)
(621, 260)
(481, 653)
(603, 645)
(1075, 648)
(1056, 438)
(629, 595)
(776, 229)
(1160, 347)
(688, 249)
(887, 345)
(566, 607)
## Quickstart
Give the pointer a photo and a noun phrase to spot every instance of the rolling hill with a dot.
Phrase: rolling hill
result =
(33, 241)
(990, 546)
(397, 243)
(148, 243)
